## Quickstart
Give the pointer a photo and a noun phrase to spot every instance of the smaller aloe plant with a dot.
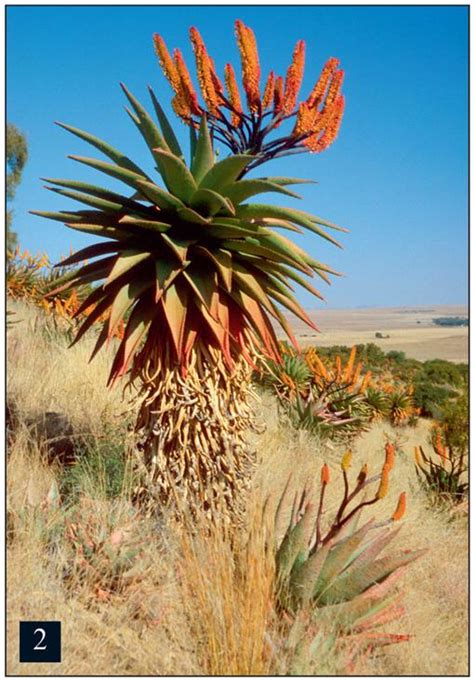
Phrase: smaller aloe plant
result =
(378, 403)
(104, 550)
(446, 477)
(401, 407)
(334, 572)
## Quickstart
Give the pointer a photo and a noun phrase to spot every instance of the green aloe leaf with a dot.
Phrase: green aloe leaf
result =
(244, 189)
(166, 129)
(95, 202)
(149, 225)
(159, 196)
(125, 262)
(337, 559)
(176, 175)
(224, 172)
(210, 202)
(114, 154)
(202, 159)
(266, 211)
(357, 580)
(62, 216)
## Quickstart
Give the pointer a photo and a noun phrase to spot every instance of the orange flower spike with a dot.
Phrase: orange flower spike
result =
(206, 73)
(350, 364)
(167, 64)
(317, 94)
(334, 89)
(187, 87)
(383, 487)
(338, 367)
(234, 94)
(365, 381)
(325, 475)
(401, 507)
(250, 64)
(305, 120)
(389, 455)
(268, 91)
(294, 77)
(278, 95)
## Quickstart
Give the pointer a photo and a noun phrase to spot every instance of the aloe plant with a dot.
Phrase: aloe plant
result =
(334, 570)
(196, 271)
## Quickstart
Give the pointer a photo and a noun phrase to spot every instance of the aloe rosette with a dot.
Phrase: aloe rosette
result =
(198, 273)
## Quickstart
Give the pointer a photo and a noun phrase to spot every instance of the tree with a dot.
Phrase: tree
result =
(17, 155)
(197, 270)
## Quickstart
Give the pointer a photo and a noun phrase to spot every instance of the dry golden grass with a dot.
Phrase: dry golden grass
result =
(194, 606)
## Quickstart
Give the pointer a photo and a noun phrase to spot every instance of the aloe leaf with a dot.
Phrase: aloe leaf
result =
(203, 157)
(88, 252)
(124, 299)
(211, 202)
(149, 225)
(125, 262)
(224, 172)
(304, 576)
(166, 129)
(123, 174)
(62, 216)
(176, 175)
(175, 304)
(146, 125)
(357, 580)
(189, 215)
(100, 230)
(100, 192)
(266, 211)
(95, 202)
(288, 180)
(337, 559)
(114, 154)
(243, 189)
(222, 261)
(159, 196)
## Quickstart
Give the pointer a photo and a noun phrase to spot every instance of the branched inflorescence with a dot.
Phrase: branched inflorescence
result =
(317, 119)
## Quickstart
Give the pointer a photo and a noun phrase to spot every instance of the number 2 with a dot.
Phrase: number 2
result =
(38, 646)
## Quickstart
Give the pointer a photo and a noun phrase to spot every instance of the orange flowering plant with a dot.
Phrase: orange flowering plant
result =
(317, 119)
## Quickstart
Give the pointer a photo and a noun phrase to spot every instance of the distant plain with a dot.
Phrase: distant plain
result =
(410, 329)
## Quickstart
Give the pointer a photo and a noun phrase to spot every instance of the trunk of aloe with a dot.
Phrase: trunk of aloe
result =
(192, 432)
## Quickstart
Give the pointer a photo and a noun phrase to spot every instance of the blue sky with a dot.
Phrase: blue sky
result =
(396, 176)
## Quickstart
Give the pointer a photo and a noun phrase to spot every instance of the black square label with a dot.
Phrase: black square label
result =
(40, 641)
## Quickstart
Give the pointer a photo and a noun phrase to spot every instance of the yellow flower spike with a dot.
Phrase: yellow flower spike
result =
(346, 460)
(383, 487)
(389, 455)
(294, 77)
(401, 507)
(187, 89)
(417, 456)
(325, 475)
(234, 94)
(318, 92)
(167, 64)
(364, 471)
(250, 64)
(268, 91)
